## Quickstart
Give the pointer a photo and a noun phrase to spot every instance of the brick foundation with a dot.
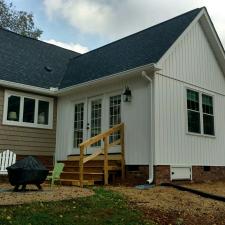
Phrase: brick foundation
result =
(136, 175)
(161, 174)
(215, 173)
(199, 174)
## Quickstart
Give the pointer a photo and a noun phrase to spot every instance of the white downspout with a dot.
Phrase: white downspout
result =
(151, 160)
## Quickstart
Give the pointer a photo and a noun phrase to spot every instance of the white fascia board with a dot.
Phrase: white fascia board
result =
(213, 38)
(60, 92)
(123, 74)
(211, 34)
(27, 88)
(167, 53)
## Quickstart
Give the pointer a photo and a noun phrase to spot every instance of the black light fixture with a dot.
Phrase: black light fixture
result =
(127, 95)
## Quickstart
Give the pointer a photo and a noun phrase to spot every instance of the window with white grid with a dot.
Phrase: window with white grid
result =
(78, 124)
(114, 115)
(96, 118)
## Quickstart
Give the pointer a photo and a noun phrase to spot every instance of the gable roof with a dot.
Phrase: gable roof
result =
(36, 64)
(139, 49)
(31, 62)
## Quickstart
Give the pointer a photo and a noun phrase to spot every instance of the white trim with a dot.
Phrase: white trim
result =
(20, 123)
(210, 33)
(123, 74)
(201, 134)
(171, 49)
(213, 38)
(59, 92)
(25, 87)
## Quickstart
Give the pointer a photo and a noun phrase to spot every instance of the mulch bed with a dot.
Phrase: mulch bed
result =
(57, 193)
(165, 205)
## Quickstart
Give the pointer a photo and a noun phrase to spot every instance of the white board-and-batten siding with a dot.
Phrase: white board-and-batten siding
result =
(190, 64)
(135, 115)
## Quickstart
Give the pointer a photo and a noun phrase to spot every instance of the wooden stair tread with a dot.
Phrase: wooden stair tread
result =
(77, 182)
(85, 166)
(100, 166)
(91, 173)
(98, 158)
(114, 168)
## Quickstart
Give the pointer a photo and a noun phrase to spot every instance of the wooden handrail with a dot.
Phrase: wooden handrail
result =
(94, 155)
(98, 137)
(100, 151)
(104, 150)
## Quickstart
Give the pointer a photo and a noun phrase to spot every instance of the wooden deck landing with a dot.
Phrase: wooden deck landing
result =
(93, 170)
(99, 166)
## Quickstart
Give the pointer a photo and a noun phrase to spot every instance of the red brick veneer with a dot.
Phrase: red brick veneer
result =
(216, 173)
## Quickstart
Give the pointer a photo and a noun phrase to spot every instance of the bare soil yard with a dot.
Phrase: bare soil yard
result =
(55, 194)
(165, 205)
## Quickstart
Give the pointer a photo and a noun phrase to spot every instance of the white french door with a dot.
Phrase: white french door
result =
(87, 122)
(94, 121)
(92, 117)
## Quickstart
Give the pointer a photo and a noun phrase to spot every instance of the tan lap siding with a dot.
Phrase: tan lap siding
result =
(24, 140)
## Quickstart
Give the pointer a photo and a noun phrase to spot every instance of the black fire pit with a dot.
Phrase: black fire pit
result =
(27, 171)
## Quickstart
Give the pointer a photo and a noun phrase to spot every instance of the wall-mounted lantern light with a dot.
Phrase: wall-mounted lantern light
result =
(127, 95)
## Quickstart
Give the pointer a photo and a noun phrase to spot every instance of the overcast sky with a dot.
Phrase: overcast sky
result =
(84, 25)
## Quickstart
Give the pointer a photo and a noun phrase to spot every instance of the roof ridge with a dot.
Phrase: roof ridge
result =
(185, 18)
(34, 39)
(158, 24)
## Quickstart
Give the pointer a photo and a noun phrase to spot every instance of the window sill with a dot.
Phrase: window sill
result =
(201, 135)
(28, 125)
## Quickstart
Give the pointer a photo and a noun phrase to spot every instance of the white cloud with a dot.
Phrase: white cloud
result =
(71, 46)
(115, 18)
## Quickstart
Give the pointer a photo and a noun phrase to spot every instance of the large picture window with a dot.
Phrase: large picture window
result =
(27, 110)
(200, 113)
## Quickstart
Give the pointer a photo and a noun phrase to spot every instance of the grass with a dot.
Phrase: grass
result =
(105, 207)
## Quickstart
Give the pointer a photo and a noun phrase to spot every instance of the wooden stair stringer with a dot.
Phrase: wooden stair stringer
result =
(93, 170)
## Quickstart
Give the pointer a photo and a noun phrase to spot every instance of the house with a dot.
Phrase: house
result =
(166, 84)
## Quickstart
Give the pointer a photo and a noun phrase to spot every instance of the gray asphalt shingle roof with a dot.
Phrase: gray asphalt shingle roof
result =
(28, 61)
(139, 49)
(23, 60)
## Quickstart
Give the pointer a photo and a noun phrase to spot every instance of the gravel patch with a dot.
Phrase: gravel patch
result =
(57, 193)
(165, 205)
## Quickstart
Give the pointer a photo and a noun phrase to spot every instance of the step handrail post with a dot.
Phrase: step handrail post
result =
(122, 151)
(106, 166)
(81, 165)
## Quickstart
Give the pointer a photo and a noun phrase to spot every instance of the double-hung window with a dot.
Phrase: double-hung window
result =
(21, 109)
(200, 113)
(208, 117)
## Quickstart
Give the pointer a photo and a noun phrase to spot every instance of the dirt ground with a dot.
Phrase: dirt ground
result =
(165, 205)
(7, 197)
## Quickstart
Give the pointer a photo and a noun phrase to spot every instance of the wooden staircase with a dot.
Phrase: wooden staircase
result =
(99, 167)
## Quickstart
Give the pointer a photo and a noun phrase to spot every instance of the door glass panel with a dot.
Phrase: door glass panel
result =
(96, 114)
(114, 115)
(78, 124)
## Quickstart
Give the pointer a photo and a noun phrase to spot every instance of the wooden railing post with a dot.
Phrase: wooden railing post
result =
(81, 165)
(122, 151)
(103, 150)
(106, 166)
